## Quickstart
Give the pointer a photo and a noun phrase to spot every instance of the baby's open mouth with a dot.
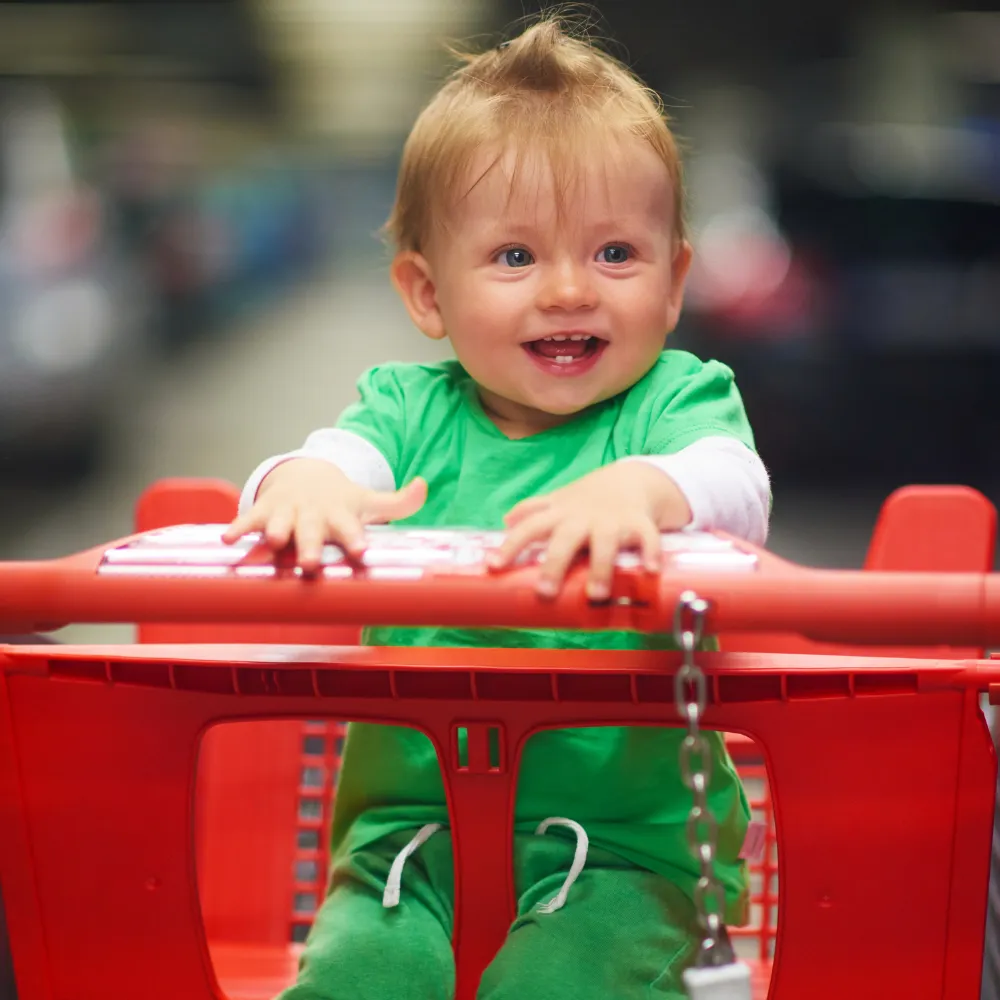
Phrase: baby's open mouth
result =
(566, 349)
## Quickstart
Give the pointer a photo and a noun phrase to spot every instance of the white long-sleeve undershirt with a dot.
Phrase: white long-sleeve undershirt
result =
(724, 482)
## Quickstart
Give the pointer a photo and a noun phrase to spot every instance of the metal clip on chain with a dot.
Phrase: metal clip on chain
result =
(716, 975)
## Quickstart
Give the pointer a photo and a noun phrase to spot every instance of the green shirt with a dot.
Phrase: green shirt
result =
(622, 784)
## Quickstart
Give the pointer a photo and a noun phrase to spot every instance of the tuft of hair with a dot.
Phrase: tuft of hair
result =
(549, 90)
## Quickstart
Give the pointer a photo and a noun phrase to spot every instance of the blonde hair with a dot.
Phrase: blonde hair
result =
(544, 90)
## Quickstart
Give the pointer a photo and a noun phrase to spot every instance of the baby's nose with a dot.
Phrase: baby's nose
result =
(567, 285)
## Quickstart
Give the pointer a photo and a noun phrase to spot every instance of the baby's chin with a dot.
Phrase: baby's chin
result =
(575, 399)
(567, 408)
(556, 403)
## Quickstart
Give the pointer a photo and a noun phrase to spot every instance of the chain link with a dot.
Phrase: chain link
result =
(690, 699)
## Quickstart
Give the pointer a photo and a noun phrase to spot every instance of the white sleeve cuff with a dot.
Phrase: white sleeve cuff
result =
(725, 484)
(357, 458)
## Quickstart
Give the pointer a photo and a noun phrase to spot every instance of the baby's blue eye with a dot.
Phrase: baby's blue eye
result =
(516, 257)
(616, 253)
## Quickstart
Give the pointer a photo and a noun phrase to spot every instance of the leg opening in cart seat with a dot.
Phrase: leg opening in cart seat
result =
(265, 793)
(613, 838)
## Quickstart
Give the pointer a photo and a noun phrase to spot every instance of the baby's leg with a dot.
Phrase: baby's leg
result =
(623, 932)
(359, 950)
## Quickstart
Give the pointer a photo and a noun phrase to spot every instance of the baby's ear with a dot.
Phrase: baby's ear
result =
(411, 274)
(679, 267)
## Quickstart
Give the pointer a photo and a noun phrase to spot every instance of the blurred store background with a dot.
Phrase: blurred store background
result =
(190, 276)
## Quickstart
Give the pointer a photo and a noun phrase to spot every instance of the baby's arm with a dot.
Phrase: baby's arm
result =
(357, 458)
(724, 483)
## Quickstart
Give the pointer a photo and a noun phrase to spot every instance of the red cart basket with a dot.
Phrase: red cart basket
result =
(883, 862)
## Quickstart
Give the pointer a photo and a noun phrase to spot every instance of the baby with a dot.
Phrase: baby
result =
(538, 226)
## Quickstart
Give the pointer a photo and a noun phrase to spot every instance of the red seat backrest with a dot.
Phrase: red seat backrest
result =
(924, 528)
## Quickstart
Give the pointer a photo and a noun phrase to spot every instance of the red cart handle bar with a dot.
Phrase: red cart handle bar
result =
(439, 577)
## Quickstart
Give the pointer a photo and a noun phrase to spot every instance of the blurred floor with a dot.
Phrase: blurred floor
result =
(261, 387)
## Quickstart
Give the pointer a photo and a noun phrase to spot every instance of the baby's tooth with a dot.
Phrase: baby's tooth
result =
(579, 336)
(563, 359)
(557, 336)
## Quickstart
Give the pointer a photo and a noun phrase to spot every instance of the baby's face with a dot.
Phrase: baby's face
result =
(550, 310)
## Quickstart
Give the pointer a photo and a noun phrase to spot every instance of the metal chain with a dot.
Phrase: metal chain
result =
(690, 698)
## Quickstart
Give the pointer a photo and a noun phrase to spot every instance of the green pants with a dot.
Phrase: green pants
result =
(624, 933)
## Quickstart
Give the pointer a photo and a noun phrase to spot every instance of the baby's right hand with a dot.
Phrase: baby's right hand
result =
(310, 502)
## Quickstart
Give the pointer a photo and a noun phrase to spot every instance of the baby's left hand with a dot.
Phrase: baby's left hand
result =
(619, 506)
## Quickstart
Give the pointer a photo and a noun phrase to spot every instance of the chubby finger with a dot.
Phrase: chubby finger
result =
(604, 546)
(310, 534)
(526, 508)
(650, 546)
(347, 531)
(401, 504)
(279, 527)
(530, 530)
(252, 520)
(564, 545)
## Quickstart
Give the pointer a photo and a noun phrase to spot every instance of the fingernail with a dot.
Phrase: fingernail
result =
(546, 588)
(494, 560)
(598, 591)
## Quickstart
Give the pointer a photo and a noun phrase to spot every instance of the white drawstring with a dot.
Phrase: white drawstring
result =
(579, 860)
(390, 897)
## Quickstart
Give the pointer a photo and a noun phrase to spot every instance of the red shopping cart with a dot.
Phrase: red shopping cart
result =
(104, 742)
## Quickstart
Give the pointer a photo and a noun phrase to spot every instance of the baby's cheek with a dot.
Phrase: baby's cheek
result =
(482, 324)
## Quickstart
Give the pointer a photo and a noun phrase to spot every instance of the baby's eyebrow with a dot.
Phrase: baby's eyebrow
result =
(507, 229)
(621, 222)
(529, 230)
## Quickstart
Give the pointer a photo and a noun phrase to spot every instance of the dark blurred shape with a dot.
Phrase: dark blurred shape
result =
(844, 173)
(207, 41)
(149, 196)
(214, 240)
(71, 322)
(875, 359)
